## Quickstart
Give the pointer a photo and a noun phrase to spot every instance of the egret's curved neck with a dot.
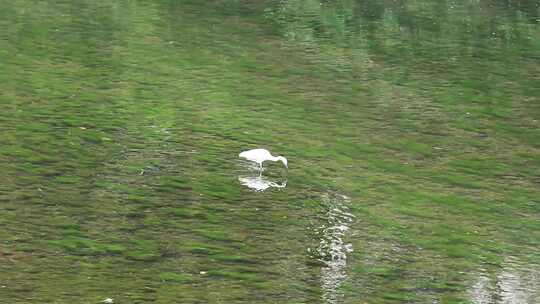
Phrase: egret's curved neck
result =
(282, 159)
(278, 158)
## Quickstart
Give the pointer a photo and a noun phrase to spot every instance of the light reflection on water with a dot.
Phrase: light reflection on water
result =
(510, 285)
(333, 249)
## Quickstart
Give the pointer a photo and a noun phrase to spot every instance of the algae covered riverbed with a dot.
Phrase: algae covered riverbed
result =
(411, 130)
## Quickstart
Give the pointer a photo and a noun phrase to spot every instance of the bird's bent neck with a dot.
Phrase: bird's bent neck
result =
(275, 158)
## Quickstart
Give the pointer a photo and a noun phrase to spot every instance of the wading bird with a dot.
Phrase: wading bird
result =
(261, 155)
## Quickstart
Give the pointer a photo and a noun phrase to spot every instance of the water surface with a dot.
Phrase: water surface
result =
(411, 129)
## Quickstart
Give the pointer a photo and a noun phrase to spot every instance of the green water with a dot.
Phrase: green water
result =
(412, 130)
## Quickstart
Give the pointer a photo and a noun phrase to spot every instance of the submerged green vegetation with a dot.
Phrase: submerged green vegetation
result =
(412, 127)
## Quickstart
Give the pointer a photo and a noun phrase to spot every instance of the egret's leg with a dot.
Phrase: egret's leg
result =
(260, 169)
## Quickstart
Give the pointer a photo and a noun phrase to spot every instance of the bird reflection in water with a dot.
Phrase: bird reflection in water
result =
(261, 183)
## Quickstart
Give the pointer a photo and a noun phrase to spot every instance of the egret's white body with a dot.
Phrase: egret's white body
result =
(261, 155)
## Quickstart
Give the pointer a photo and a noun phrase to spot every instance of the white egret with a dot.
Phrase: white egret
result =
(261, 155)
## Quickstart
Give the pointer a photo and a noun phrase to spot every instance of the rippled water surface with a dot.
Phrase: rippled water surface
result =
(411, 130)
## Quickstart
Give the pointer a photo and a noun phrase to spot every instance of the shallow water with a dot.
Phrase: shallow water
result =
(411, 130)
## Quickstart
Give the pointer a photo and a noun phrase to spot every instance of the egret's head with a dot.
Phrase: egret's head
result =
(284, 161)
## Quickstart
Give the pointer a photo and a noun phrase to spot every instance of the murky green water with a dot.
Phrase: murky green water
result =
(411, 129)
